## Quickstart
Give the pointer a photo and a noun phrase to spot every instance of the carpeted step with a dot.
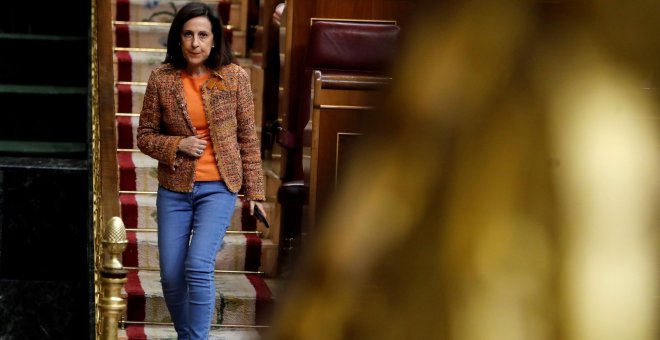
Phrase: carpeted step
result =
(241, 299)
(141, 35)
(127, 131)
(129, 97)
(138, 172)
(153, 332)
(159, 11)
(136, 66)
(240, 252)
(145, 25)
(154, 36)
(139, 211)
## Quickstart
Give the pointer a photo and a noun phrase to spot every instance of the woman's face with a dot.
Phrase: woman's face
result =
(196, 40)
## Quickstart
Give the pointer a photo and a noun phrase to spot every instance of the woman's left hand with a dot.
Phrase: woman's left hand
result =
(259, 206)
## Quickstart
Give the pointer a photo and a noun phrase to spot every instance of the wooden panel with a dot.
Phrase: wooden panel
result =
(357, 9)
(399, 10)
(338, 119)
(238, 44)
(235, 16)
(334, 130)
(349, 97)
(245, 6)
(347, 143)
(299, 13)
(109, 172)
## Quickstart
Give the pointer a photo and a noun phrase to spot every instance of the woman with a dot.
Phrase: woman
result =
(197, 120)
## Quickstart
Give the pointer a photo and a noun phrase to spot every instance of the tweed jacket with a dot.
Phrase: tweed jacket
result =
(229, 109)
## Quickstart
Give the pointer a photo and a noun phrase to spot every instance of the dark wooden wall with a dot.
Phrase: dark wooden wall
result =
(299, 13)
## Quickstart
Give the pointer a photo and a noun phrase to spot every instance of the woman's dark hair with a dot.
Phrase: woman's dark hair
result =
(220, 55)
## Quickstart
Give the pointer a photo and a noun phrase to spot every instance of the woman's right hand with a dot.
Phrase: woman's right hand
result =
(194, 145)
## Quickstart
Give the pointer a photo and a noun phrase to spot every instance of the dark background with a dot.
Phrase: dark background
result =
(46, 248)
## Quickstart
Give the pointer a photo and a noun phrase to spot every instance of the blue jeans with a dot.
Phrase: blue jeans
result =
(191, 227)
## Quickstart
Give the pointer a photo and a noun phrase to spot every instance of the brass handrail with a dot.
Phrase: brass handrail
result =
(113, 278)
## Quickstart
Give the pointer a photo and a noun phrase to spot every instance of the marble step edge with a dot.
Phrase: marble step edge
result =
(236, 238)
(151, 238)
(142, 219)
(229, 283)
(164, 11)
(239, 299)
(240, 254)
(165, 331)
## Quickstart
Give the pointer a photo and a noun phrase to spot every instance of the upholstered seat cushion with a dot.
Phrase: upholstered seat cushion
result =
(351, 46)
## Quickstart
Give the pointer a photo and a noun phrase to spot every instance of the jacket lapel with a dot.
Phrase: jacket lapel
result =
(177, 92)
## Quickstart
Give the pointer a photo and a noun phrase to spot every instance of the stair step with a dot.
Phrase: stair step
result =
(137, 171)
(41, 89)
(46, 18)
(136, 66)
(139, 211)
(240, 252)
(44, 118)
(149, 10)
(41, 148)
(138, 35)
(41, 37)
(241, 299)
(129, 98)
(162, 332)
(231, 12)
(28, 50)
(127, 131)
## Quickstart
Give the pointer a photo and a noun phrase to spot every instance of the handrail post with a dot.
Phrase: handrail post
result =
(113, 278)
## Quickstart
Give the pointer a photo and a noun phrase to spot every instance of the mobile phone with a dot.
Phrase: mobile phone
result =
(261, 217)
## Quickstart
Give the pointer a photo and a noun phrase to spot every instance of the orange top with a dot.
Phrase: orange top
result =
(207, 167)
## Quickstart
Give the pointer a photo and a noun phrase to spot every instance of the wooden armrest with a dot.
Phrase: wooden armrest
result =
(347, 81)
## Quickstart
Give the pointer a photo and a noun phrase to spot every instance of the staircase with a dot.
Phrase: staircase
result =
(44, 76)
(247, 262)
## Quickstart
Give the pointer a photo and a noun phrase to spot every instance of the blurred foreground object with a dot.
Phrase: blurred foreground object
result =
(509, 190)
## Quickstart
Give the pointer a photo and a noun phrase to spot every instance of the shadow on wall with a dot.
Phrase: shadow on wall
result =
(510, 191)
